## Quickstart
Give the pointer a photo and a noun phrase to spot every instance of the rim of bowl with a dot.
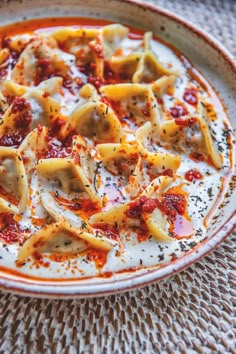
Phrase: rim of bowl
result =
(77, 289)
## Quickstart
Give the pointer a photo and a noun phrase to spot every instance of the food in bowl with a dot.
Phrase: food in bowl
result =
(114, 150)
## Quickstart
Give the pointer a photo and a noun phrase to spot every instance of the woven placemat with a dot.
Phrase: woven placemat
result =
(191, 312)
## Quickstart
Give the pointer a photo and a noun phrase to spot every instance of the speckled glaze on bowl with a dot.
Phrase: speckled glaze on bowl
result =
(209, 56)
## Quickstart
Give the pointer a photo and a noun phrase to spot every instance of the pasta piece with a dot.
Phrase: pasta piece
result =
(12, 89)
(70, 177)
(3, 104)
(76, 41)
(149, 69)
(151, 164)
(89, 93)
(52, 86)
(157, 159)
(160, 224)
(61, 238)
(137, 102)
(210, 145)
(75, 174)
(95, 120)
(132, 213)
(18, 42)
(125, 66)
(114, 215)
(160, 86)
(33, 146)
(156, 221)
(86, 167)
(112, 35)
(61, 214)
(26, 112)
(147, 37)
(13, 181)
(4, 54)
(192, 134)
(119, 159)
(39, 60)
(85, 44)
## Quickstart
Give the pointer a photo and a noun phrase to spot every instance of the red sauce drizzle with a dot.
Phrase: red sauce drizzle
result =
(190, 96)
(192, 175)
(99, 257)
(186, 122)
(8, 196)
(178, 111)
(84, 207)
(9, 228)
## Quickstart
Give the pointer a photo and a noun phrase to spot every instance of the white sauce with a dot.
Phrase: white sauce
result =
(150, 252)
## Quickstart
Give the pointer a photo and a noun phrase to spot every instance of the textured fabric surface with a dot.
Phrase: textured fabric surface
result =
(191, 312)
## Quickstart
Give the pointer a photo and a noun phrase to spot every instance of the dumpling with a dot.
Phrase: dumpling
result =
(95, 120)
(209, 143)
(191, 134)
(33, 146)
(119, 159)
(112, 36)
(61, 238)
(13, 181)
(137, 103)
(40, 60)
(72, 175)
(149, 69)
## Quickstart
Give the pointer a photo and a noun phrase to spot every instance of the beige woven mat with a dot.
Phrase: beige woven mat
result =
(192, 312)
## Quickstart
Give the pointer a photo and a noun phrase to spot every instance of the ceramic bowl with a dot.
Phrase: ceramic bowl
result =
(209, 56)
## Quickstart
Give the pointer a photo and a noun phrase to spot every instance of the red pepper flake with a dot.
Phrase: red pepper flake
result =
(3, 73)
(97, 48)
(96, 81)
(8, 196)
(12, 139)
(188, 122)
(172, 204)
(197, 157)
(44, 70)
(85, 206)
(146, 110)
(109, 75)
(5, 43)
(178, 111)
(55, 150)
(24, 120)
(178, 201)
(167, 172)
(45, 94)
(190, 96)
(107, 230)
(9, 229)
(142, 204)
(193, 175)
(19, 104)
(56, 126)
(106, 101)
(99, 257)
(142, 232)
(37, 256)
(40, 128)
